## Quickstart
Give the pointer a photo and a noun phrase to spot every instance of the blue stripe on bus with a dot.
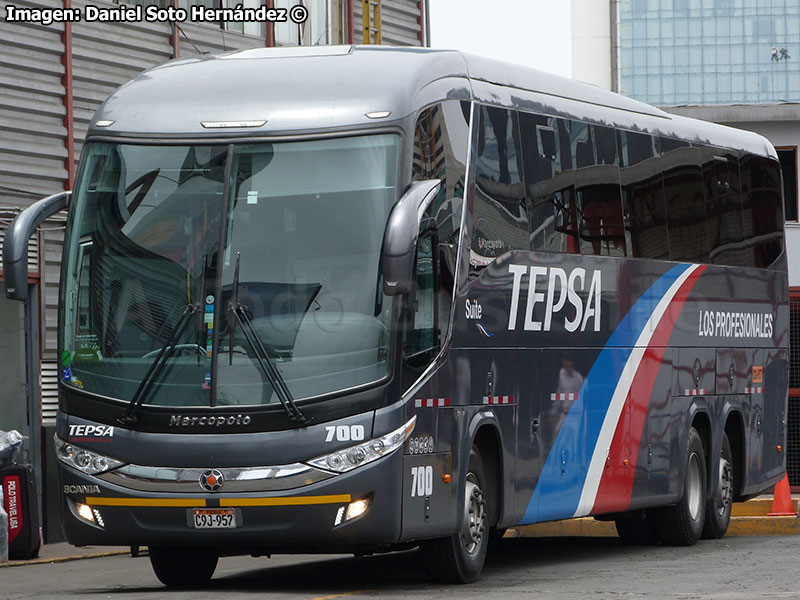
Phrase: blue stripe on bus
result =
(558, 490)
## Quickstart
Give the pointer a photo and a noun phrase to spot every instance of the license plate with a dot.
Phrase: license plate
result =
(214, 518)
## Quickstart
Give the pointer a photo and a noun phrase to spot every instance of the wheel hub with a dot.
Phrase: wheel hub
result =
(474, 523)
(694, 486)
(725, 484)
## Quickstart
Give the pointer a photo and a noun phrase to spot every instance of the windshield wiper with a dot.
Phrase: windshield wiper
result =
(262, 356)
(130, 416)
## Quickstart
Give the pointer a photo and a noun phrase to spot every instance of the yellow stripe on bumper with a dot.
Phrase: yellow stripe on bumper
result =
(226, 502)
(180, 502)
(286, 501)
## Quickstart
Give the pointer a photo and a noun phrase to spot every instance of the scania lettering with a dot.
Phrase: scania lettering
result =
(359, 299)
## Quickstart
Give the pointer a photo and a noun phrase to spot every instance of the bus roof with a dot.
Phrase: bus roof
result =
(329, 88)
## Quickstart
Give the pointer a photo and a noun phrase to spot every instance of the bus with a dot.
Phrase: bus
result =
(361, 299)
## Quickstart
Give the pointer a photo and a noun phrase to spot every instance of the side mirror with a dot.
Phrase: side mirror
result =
(400, 237)
(15, 244)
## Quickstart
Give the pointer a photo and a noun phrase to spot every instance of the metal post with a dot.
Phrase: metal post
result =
(69, 119)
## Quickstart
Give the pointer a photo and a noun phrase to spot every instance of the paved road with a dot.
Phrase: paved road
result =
(745, 568)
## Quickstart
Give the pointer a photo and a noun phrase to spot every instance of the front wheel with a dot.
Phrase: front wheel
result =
(460, 558)
(682, 524)
(718, 511)
(183, 567)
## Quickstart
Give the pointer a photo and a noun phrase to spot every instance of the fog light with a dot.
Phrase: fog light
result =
(339, 516)
(356, 509)
(98, 518)
(84, 512)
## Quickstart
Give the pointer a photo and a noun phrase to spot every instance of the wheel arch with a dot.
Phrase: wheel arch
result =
(734, 429)
(701, 421)
(487, 438)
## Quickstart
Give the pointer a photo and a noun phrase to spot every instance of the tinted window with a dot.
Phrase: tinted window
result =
(643, 196)
(685, 202)
(762, 217)
(549, 178)
(439, 153)
(499, 216)
(597, 186)
(724, 207)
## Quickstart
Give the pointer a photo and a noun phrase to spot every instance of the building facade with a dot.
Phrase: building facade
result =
(734, 62)
(52, 79)
(677, 52)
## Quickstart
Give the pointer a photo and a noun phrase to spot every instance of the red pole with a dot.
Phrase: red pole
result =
(69, 119)
(351, 23)
(270, 29)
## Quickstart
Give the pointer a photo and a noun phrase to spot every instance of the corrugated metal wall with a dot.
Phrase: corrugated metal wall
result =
(32, 152)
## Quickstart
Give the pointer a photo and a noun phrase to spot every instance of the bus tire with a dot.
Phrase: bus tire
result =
(460, 557)
(183, 567)
(682, 524)
(718, 511)
(637, 529)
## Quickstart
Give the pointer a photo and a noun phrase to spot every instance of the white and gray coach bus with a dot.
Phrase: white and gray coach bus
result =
(360, 299)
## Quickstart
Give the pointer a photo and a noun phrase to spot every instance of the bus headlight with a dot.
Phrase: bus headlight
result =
(347, 459)
(85, 461)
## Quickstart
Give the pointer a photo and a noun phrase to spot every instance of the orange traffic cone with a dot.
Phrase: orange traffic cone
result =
(782, 501)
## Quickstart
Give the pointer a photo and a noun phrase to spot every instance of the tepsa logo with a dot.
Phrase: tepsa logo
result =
(562, 289)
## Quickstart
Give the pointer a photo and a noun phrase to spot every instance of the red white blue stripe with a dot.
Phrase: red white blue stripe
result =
(570, 481)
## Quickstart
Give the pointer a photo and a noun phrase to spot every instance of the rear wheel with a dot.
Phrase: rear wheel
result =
(682, 524)
(460, 558)
(183, 567)
(718, 511)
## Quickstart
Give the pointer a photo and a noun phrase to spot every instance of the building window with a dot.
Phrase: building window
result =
(788, 160)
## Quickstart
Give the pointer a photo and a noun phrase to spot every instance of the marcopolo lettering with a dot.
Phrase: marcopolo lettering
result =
(562, 289)
(91, 431)
(208, 421)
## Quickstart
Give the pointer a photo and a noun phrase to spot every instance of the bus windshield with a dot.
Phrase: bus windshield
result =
(289, 233)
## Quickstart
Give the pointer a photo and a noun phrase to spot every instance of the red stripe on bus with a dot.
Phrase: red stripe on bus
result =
(616, 486)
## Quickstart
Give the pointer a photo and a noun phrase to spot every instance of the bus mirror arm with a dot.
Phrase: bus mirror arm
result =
(402, 232)
(15, 244)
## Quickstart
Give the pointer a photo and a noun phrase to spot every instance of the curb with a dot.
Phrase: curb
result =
(589, 527)
(748, 519)
(60, 559)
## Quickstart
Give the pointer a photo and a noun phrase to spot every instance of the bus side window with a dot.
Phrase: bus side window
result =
(602, 231)
(723, 191)
(685, 201)
(440, 152)
(643, 196)
(499, 217)
(550, 196)
(423, 336)
(763, 210)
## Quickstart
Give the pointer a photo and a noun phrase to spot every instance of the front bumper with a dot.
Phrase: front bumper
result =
(302, 518)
